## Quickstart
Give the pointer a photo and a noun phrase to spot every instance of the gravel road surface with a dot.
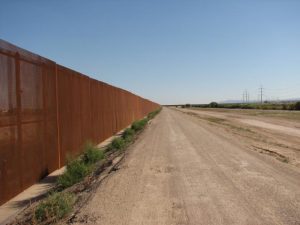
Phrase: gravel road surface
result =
(182, 170)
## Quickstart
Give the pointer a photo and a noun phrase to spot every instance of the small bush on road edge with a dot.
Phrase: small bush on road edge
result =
(139, 125)
(54, 207)
(118, 143)
(92, 154)
(77, 169)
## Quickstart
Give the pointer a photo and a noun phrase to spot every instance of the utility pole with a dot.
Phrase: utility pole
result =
(246, 96)
(243, 97)
(261, 90)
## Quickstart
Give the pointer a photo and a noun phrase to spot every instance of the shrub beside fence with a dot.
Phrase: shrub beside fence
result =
(48, 111)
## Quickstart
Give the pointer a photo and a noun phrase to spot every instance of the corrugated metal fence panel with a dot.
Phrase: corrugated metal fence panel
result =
(51, 133)
(9, 154)
(96, 113)
(69, 105)
(48, 112)
(32, 123)
(85, 109)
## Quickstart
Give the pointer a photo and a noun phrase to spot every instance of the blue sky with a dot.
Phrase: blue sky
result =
(169, 51)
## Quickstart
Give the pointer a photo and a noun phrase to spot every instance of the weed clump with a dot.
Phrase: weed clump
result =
(153, 114)
(92, 154)
(54, 207)
(128, 135)
(76, 171)
(139, 125)
(118, 143)
(285, 160)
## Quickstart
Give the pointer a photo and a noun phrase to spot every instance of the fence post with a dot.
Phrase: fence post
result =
(45, 167)
(57, 118)
(19, 117)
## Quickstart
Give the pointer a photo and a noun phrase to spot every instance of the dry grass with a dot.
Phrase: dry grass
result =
(281, 114)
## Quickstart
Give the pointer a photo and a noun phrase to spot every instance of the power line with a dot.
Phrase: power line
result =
(266, 94)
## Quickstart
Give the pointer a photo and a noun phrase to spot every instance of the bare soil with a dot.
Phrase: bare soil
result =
(190, 167)
(262, 130)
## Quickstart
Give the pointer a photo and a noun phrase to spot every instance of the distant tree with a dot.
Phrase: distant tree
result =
(187, 105)
(213, 105)
(291, 107)
(284, 107)
(297, 106)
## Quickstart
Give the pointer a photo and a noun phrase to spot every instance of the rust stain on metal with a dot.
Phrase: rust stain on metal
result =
(48, 111)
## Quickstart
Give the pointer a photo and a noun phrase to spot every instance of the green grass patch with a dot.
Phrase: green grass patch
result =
(54, 207)
(92, 154)
(139, 125)
(128, 135)
(77, 169)
(118, 143)
(153, 114)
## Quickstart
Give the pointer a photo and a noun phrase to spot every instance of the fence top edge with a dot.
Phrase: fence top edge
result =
(11, 50)
(7, 48)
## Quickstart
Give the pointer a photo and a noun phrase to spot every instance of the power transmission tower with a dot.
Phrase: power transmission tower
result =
(261, 93)
(246, 96)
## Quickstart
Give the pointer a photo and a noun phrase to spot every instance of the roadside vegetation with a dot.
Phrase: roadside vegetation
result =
(264, 106)
(53, 208)
(61, 201)
(78, 168)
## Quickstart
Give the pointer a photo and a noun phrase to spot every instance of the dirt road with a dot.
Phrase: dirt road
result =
(270, 132)
(184, 170)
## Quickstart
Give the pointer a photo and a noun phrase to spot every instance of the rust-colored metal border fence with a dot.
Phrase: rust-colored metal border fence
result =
(48, 111)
